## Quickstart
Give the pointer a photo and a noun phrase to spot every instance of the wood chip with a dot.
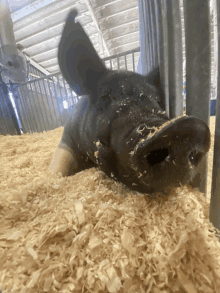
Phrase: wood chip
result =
(87, 233)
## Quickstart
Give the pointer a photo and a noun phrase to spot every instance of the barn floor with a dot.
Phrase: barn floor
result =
(86, 233)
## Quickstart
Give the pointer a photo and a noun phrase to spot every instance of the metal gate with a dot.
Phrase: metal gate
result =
(44, 103)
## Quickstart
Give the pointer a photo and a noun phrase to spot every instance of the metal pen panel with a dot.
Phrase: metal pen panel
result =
(52, 105)
(3, 120)
(126, 68)
(214, 214)
(61, 97)
(23, 109)
(37, 109)
(41, 100)
(58, 107)
(133, 62)
(74, 99)
(9, 117)
(110, 63)
(39, 95)
(48, 106)
(65, 90)
(24, 106)
(32, 108)
(198, 70)
(59, 100)
(4, 115)
(34, 119)
(118, 63)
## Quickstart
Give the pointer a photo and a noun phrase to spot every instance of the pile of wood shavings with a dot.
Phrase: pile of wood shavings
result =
(86, 233)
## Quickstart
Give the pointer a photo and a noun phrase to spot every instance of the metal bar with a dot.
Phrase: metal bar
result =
(44, 77)
(154, 33)
(62, 101)
(5, 121)
(2, 129)
(44, 94)
(118, 63)
(49, 106)
(25, 118)
(22, 112)
(198, 70)
(65, 91)
(59, 120)
(214, 214)
(55, 116)
(126, 68)
(133, 62)
(150, 36)
(175, 58)
(110, 63)
(73, 99)
(33, 86)
(35, 64)
(4, 107)
(10, 109)
(89, 5)
(29, 104)
(163, 52)
(33, 109)
(144, 37)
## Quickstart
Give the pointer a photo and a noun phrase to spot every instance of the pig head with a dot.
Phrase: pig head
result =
(120, 124)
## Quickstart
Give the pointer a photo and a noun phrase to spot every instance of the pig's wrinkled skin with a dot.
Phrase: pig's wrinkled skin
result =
(110, 126)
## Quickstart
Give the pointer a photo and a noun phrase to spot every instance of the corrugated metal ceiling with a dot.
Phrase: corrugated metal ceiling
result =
(112, 25)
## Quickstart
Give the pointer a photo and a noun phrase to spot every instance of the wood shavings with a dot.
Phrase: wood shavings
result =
(87, 233)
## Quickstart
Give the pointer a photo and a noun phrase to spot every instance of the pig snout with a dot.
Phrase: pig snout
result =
(171, 156)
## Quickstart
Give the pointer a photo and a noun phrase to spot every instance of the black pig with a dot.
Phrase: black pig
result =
(115, 127)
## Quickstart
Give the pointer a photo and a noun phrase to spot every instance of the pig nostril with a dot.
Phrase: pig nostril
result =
(158, 156)
(195, 157)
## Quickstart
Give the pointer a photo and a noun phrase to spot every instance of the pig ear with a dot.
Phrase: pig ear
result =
(154, 78)
(79, 63)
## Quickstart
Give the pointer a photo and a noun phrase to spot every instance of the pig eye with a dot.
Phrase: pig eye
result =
(195, 157)
(158, 156)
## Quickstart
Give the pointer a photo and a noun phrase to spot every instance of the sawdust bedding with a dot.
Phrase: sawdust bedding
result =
(86, 233)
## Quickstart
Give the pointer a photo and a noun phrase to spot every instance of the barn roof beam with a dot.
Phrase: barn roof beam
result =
(101, 38)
